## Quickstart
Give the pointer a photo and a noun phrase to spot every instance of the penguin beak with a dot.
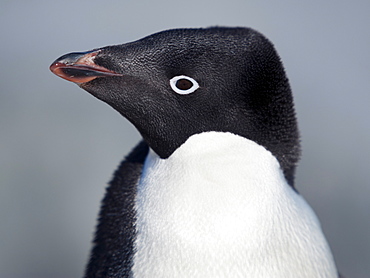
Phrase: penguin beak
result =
(79, 67)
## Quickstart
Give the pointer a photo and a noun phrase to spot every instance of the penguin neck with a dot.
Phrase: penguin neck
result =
(220, 206)
(221, 160)
(223, 157)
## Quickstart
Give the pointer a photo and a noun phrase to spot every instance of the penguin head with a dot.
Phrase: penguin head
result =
(177, 83)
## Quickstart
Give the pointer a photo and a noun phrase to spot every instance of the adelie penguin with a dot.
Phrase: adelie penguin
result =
(209, 192)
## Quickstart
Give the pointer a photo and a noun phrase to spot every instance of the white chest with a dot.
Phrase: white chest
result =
(220, 207)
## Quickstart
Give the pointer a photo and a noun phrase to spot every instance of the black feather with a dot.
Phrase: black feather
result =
(113, 251)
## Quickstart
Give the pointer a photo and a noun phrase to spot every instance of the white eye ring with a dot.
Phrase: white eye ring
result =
(188, 86)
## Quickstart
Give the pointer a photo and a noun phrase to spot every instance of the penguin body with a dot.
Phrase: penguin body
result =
(210, 191)
(220, 206)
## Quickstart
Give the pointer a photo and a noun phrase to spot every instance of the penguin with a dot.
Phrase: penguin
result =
(209, 191)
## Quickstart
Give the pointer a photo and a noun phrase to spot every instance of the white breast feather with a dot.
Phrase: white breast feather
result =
(220, 206)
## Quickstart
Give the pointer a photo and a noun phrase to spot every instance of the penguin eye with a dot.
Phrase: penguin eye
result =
(183, 85)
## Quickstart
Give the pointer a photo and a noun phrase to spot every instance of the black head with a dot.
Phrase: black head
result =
(177, 83)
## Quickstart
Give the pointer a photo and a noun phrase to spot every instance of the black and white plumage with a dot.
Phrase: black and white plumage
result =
(210, 190)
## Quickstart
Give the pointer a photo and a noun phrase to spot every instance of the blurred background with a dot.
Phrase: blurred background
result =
(59, 146)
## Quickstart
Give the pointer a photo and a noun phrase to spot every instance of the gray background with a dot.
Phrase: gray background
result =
(59, 145)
